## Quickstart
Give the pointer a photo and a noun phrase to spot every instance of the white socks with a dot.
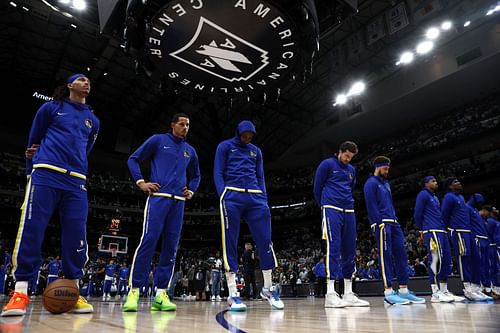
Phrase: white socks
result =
(347, 286)
(159, 291)
(22, 287)
(330, 287)
(231, 283)
(267, 278)
(434, 288)
(443, 286)
(403, 290)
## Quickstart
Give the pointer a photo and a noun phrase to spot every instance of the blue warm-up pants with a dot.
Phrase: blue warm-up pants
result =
(163, 216)
(437, 241)
(392, 252)
(40, 202)
(253, 208)
(480, 261)
(461, 240)
(339, 231)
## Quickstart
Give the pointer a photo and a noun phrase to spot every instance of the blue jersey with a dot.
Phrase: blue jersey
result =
(238, 164)
(123, 273)
(378, 200)
(110, 269)
(66, 132)
(493, 229)
(478, 225)
(54, 267)
(173, 163)
(334, 183)
(320, 270)
(454, 212)
(427, 214)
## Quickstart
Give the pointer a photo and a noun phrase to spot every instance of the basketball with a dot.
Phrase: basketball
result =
(60, 296)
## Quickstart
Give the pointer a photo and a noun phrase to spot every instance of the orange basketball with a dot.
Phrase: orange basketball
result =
(60, 296)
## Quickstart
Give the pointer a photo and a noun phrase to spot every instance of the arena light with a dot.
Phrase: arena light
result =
(466, 24)
(432, 33)
(356, 89)
(79, 4)
(65, 2)
(406, 58)
(425, 47)
(73, 26)
(446, 25)
(340, 99)
(13, 4)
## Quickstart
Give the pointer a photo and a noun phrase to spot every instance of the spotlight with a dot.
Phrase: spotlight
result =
(425, 47)
(65, 1)
(467, 23)
(73, 26)
(88, 69)
(13, 4)
(446, 25)
(79, 4)
(406, 57)
(432, 33)
(356, 89)
(340, 99)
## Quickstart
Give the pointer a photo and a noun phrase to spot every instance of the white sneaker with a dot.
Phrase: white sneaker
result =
(351, 299)
(212, 298)
(473, 296)
(440, 297)
(333, 300)
(218, 298)
(104, 298)
(273, 297)
(235, 303)
(455, 297)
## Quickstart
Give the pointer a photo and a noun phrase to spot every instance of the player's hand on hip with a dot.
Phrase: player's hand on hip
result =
(31, 151)
(187, 193)
(149, 187)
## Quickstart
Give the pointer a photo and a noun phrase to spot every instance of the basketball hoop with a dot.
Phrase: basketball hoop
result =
(113, 253)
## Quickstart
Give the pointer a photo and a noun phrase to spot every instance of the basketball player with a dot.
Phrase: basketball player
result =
(175, 176)
(488, 212)
(333, 186)
(109, 276)
(239, 180)
(123, 273)
(427, 216)
(61, 137)
(388, 233)
(495, 252)
(53, 268)
(456, 218)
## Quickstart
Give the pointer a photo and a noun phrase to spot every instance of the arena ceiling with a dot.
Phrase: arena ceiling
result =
(39, 46)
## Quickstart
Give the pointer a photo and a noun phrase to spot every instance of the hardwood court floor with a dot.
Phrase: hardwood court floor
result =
(300, 315)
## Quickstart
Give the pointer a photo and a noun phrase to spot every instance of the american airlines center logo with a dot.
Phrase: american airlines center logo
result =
(223, 46)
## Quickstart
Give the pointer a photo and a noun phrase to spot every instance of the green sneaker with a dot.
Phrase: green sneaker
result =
(162, 303)
(132, 301)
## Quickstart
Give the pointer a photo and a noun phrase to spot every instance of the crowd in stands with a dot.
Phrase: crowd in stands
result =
(296, 217)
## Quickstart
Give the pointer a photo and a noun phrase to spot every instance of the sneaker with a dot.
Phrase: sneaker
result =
(212, 298)
(485, 297)
(132, 301)
(455, 297)
(440, 297)
(235, 303)
(162, 303)
(412, 297)
(82, 306)
(17, 305)
(351, 299)
(395, 298)
(473, 296)
(333, 300)
(218, 298)
(273, 297)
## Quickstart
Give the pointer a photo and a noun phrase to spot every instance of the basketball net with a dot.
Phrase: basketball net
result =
(114, 252)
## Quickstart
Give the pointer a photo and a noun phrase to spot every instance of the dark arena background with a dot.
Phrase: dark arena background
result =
(414, 80)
